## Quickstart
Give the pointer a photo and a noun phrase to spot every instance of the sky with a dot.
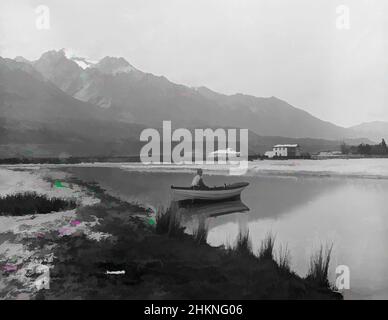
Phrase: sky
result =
(304, 52)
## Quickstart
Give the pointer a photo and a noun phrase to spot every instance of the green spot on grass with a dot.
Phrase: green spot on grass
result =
(13, 259)
(58, 184)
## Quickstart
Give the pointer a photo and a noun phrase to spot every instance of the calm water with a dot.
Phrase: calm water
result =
(303, 213)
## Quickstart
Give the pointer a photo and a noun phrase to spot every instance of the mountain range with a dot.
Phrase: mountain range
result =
(375, 130)
(73, 106)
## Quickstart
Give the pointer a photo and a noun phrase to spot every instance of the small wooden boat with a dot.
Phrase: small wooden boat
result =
(231, 191)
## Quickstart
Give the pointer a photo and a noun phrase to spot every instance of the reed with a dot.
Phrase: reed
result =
(168, 221)
(201, 232)
(243, 243)
(319, 267)
(266, 247)
(283, 259)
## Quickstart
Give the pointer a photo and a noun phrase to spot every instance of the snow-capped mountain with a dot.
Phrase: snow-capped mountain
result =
(135, 96)
(114, 66)
(83, 62)
(100, 107)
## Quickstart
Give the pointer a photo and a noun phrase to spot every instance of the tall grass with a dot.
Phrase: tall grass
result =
(283, 259)
(319, 267)
(168, 221)
(266, 247)
(243, 243)
(201, 232)
(32, 203)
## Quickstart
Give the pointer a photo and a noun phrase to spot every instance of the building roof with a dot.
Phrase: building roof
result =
(227, 151)
(286, 146)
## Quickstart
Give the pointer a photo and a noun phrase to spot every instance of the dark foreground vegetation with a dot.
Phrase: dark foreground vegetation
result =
(32, 203)
(319, 267)
(267, 269)
(161, 261)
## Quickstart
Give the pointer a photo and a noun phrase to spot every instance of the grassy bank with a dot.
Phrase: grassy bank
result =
(31, 203)
(162, 262)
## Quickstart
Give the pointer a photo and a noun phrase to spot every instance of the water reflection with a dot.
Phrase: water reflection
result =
(212, 209)
(215, 214)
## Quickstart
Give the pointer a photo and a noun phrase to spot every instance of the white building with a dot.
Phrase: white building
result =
(285, 151)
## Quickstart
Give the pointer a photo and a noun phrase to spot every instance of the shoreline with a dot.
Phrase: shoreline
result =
(156, 266)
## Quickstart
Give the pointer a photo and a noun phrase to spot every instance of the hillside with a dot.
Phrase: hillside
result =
(57, 106)
(137, 97)
(375, 130)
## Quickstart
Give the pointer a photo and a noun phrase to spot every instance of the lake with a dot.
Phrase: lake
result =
(303, 213)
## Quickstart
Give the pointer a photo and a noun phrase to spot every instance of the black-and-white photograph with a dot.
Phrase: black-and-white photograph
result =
(193, 150)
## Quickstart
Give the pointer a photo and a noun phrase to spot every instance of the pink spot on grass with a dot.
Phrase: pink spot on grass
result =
(64, 231)
(10, 267)
(75, 223)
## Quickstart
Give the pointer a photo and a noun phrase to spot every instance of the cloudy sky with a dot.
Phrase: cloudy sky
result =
(289, 49)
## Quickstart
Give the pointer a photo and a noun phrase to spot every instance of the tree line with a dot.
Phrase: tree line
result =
(365, 149)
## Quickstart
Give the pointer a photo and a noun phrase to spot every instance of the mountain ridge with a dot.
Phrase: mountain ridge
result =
(106, 66)
(53, 103)
(375, 130)
(138, 97)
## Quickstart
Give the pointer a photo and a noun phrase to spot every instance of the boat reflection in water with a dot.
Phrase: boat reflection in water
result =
(214, 213)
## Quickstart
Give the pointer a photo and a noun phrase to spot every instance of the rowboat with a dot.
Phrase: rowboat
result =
(231, 191)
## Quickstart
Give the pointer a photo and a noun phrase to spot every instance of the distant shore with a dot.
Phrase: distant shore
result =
(136, 159)
(360, 168)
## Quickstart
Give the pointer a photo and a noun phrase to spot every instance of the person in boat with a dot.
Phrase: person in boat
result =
(198, 181)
